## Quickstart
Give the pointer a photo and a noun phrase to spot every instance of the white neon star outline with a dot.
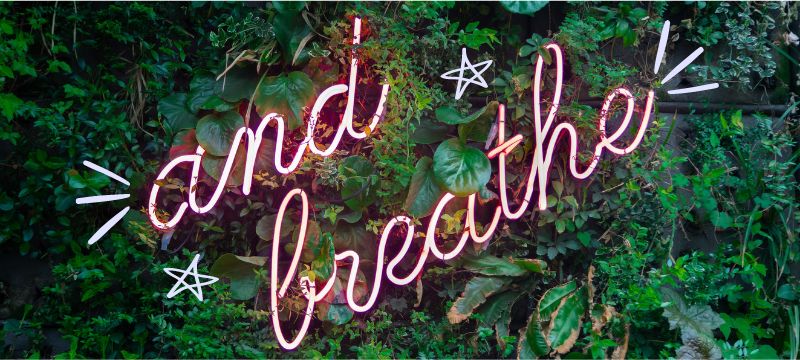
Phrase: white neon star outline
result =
(464, 82)
(196, 289)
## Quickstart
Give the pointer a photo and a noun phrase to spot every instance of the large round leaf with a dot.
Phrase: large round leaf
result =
(238, 83)
(525, 7)
(215, 131)
(285, 95)
(424, 193)
(177, 112)
(460, 169)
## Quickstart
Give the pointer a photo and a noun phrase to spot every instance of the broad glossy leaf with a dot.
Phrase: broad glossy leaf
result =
(240, 271)
(478, 130)
(566, 323)
(286, 95)
(215, 131)
(184, 143)
(355, 237)
(476, 292)
(201, 89)
(177, 112)
(553, 297)
(237, 84)
(532, 343)
(451, 116)
(430, 132)
(460, 169)
(290, 30)
(424, 193)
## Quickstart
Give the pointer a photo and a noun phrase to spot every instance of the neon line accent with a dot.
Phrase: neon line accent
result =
(105, 172)
(662, 45)
(100, 198)
(108, 225)
(682, 65)
(694, 89)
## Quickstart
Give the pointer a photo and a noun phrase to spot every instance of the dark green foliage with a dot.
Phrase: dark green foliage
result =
(666, 252)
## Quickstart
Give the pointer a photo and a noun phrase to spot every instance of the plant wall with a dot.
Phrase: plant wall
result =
(685, 248)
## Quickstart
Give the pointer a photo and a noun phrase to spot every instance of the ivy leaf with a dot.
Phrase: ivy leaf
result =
(286, 95)
(239, 269)
(177, 113)
(460, 169)
(475, 294)
(424, 193)
(215, 131)
(524, 7)
(451, 116)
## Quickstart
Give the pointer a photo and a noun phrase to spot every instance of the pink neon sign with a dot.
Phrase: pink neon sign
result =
(547, 136)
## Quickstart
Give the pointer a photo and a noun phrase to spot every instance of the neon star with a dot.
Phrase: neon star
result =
(464, 82)
(181, 275)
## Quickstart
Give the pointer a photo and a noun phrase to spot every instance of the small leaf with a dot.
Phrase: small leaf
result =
(357, 191)
(460, 169)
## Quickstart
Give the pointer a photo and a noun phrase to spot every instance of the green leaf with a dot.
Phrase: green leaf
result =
(289, 7)
(177, 113)
(215, 131)
(423, 193)
(214, 165)
(531, 342)
(475, 294)
(290, 30)
(238, 83)
(184, 143)
(240, 271)
(9, 103)
(695, 320)
(566, 323)
(357, 190)
(721, 219)
(460, 169)
(430, 132)
(552, 298)
(492, 310)
(451, 116)
(339, 314)
(523, 7)
(486, 264)
(478, 130)
(201, 88)
(532, 265)
(286, 95)
(347, 236)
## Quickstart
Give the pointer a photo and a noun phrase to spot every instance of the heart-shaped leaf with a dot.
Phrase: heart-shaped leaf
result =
(215, 131)
(451, 116)
(460, 169)
(424, 193)
(286, 95)
(201, 89)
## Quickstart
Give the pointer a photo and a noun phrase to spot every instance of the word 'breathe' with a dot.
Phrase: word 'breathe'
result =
(547, 136)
